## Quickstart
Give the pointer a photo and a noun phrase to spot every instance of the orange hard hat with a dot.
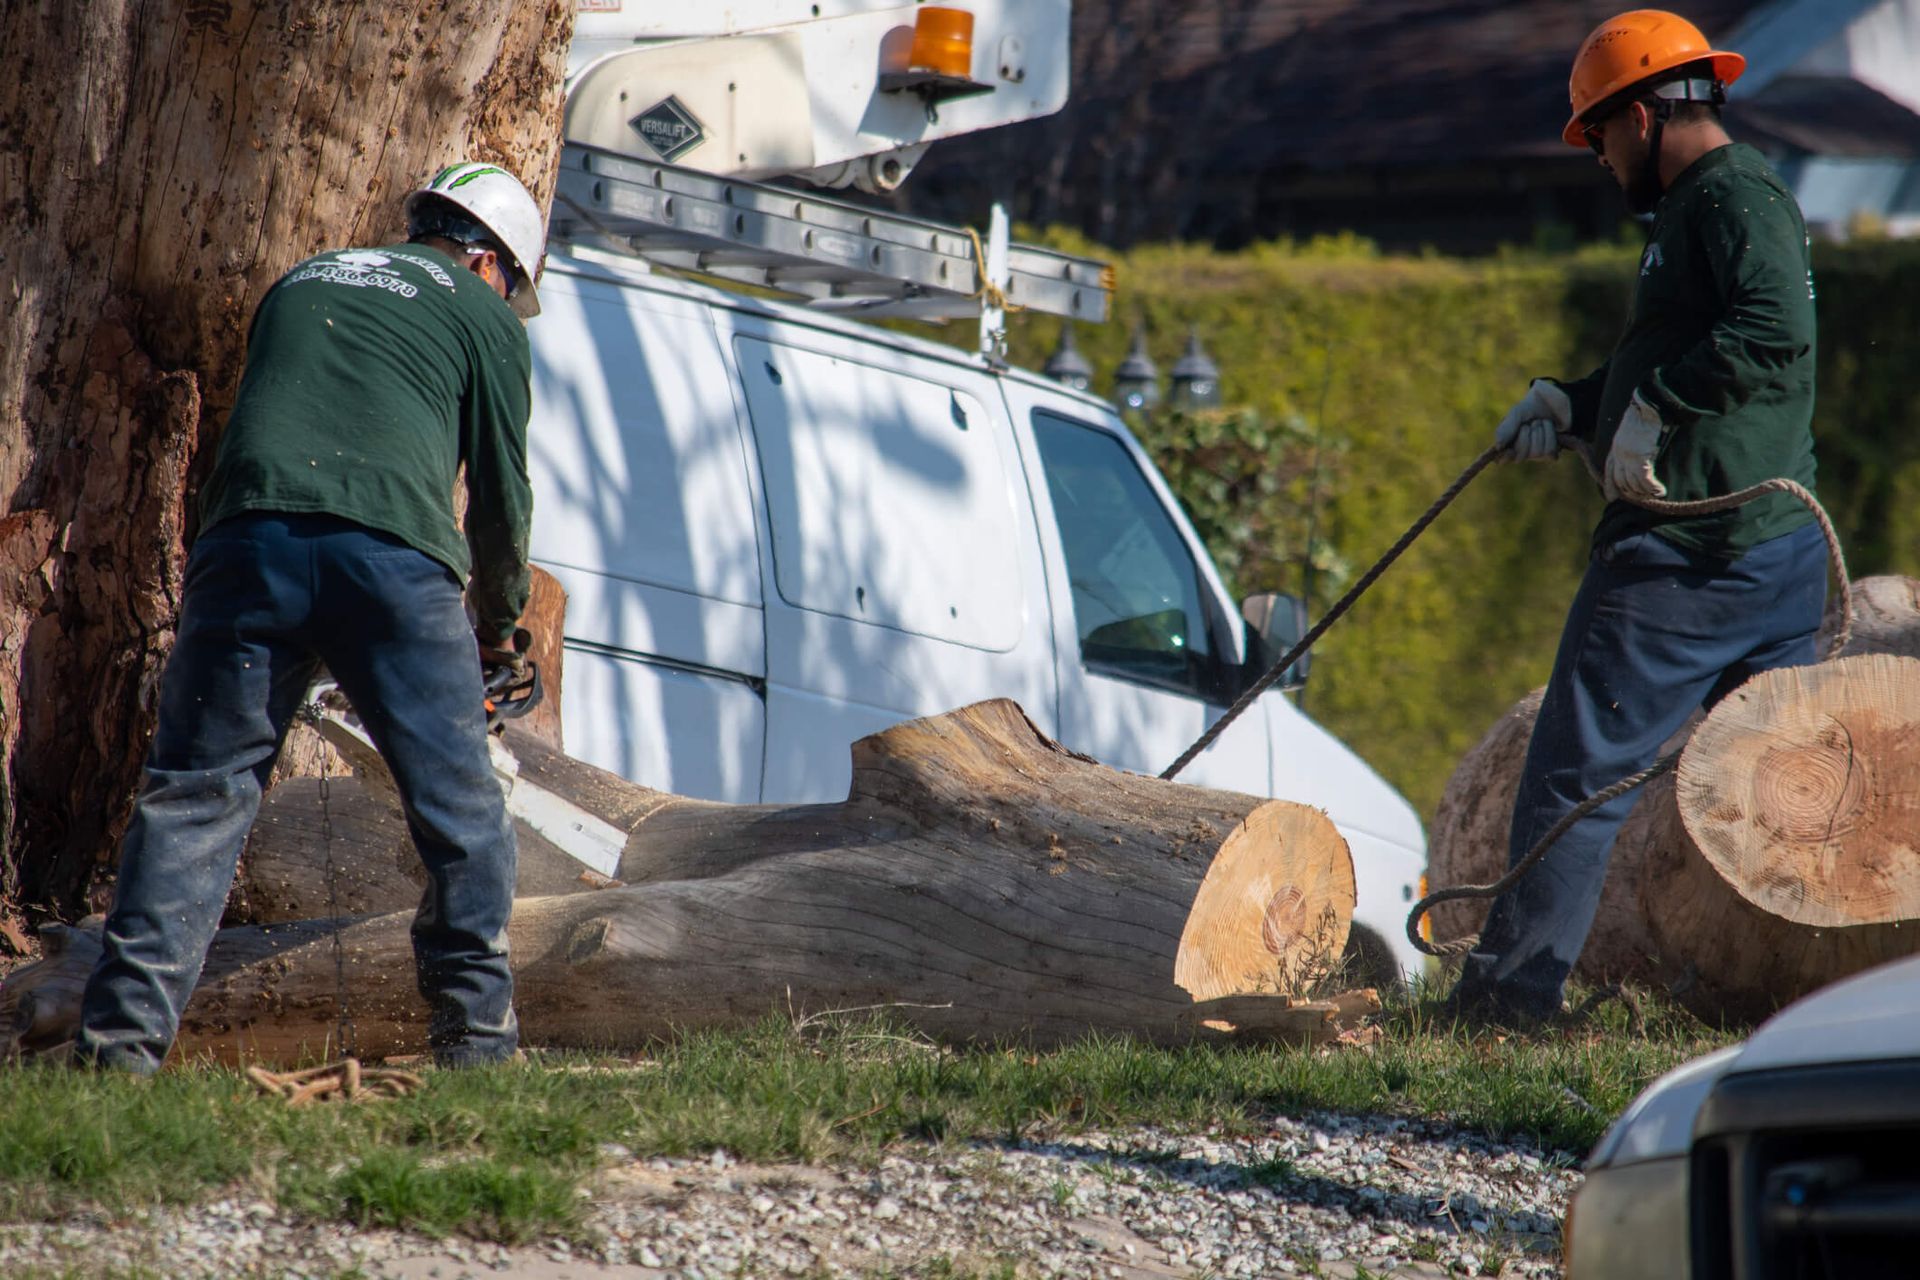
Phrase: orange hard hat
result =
(1633, 47)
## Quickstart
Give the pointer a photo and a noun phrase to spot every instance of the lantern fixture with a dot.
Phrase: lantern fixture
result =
(1196, 378)
(1066, 365)
(1136, 383)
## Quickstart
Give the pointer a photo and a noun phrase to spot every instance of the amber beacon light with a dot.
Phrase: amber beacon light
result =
(942, 42)
(939, 61)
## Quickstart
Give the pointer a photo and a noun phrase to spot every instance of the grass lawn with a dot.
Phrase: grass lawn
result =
(501, 1153)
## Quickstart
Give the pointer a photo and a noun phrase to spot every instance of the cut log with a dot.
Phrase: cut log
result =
(1724, 958)
(1668, 917)
(654, 835)
(1802, 789)
(980, 882)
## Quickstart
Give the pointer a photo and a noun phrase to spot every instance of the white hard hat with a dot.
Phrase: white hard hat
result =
(495, 199)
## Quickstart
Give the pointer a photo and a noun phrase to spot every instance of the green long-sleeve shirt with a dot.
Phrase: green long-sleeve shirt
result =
(373, 376)
(1720, 342)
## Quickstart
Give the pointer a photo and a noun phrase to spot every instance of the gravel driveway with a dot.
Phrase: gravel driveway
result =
(1316, 1195)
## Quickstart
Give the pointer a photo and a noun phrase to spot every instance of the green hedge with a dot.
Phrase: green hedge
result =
(1383, 378)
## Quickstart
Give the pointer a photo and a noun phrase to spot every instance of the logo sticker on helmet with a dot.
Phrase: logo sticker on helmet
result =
(466, 177)
(669, 128)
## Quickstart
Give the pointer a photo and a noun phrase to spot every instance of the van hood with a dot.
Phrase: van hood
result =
(1311, 766)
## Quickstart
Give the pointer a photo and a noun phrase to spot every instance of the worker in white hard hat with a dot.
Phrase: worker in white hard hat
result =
(374, 378)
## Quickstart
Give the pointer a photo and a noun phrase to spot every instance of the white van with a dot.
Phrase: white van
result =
(780, 530)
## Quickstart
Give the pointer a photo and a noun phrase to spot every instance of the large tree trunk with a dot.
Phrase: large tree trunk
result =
(980, 881)
(1668, 916)
(165, 163)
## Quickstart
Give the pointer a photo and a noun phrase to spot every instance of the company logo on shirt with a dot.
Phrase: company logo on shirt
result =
(1654, 257)
(360, 268)
(426, 264)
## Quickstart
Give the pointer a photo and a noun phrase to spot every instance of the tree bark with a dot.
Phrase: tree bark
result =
(160, 167)
(1667, 917)
(980, 881)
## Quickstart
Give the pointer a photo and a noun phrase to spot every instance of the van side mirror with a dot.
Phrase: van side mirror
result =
(1275, 623)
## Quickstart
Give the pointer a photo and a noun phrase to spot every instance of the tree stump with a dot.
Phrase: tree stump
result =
(980, 882)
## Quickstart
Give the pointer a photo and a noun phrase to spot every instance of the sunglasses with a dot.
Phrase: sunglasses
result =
(1595, 134)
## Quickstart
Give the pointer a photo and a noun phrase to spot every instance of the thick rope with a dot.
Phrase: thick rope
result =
(1460, 946)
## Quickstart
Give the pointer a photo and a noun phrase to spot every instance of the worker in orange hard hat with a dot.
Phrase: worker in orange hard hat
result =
(1638, 73)
(1709, 390)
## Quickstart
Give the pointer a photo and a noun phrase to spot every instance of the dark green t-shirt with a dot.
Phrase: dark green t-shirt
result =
(1720, 343)
(373, 376)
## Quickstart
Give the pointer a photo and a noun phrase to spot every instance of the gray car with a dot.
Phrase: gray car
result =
(1792, 1156)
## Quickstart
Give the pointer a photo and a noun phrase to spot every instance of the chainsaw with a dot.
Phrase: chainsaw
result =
(512, 683)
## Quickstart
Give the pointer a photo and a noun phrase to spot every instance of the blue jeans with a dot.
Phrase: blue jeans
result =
(268, 596)
(1655, 632)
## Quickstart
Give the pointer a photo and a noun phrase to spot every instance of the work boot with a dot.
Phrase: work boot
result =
(68, 1055)
(1476, 1005)
(462, 1058)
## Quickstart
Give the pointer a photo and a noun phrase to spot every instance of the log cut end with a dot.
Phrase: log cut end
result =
(1272, 913)
(1803, 791)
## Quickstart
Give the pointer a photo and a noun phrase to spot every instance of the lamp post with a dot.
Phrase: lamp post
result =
(1066, 365)
(1136, 383)
(1196, 378)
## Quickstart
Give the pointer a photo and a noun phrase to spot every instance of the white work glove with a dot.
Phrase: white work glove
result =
(1630, 461)
(1531, 430)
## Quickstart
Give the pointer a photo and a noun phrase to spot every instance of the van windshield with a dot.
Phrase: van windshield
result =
(1137, 601)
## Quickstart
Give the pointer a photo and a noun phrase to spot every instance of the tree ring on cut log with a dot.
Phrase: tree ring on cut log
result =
(1802, 790)
(1815, 791)
(1284, 920)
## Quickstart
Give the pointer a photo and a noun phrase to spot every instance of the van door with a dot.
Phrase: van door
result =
(1146, 640)
(902, 551)
(643, 510)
